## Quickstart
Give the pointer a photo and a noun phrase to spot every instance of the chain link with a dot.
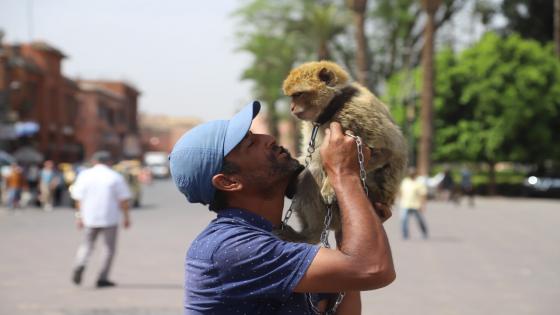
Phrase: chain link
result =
(361, 160)
(326, 225)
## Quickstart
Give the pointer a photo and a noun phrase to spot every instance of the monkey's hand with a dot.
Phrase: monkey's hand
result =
(383, 211)
(327, 191)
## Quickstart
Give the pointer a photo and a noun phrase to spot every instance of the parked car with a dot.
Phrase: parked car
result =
(542, 185)
(158, 163)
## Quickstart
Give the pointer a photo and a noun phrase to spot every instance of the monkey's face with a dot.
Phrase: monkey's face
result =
(312, 86)
(308, 105)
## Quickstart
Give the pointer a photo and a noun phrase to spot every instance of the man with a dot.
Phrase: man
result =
(237, 265)
(15, 183)
(101, 194)
(49, 180)
(413, 202)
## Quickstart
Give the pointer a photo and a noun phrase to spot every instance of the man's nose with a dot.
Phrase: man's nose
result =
(269, 140)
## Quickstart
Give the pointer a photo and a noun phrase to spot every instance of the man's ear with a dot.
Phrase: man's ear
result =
(226, 182)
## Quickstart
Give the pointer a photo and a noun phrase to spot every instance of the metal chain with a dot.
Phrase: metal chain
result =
(326, 225)
(308, 158)
(361, 160)
(328, 216)
(311, 144)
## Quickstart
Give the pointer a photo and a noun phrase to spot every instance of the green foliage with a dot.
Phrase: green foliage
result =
(530, 18)
(496, 101)
(278, 34)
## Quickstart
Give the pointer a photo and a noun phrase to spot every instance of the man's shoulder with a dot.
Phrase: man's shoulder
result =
(225, 233)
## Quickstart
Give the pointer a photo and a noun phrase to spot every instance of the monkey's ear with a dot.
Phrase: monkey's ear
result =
(327, 76)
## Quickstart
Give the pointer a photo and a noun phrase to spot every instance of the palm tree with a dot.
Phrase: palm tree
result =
(319, 24)
(359, 8)
(424, 150)
(557, 26)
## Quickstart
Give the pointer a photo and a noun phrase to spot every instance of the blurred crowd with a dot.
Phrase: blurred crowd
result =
(48, 185)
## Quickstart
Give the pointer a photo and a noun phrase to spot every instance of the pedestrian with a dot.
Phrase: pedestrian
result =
(32, 175)
(101, 194)
(467, 186)
(15, 183)
(412, 195)
(237, 264)
(49, 180)
(447, 186)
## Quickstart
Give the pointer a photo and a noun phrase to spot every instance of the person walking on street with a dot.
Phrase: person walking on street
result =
(412, 195)
(237, 264)
(49, 180)
(447, 187)
(467, 186)
(101, 194)
(15, 183)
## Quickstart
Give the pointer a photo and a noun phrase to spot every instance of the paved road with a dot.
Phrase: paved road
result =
(501, 257)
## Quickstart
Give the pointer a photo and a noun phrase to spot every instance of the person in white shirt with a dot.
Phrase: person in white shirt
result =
(101, 194)
(413, 194)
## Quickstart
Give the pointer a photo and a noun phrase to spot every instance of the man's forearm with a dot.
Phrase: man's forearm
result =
(363, 237)
(124, 207)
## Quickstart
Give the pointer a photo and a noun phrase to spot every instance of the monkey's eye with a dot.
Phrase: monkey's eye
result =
(298, 94)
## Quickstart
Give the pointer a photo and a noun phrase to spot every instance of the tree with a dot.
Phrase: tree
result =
(397, 40)
(530, 18)
(557, 26)
(425, 146)
(359, 8)
(262, 35)
(496, 101)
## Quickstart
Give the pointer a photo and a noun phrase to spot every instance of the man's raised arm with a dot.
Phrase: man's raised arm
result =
(363, 261)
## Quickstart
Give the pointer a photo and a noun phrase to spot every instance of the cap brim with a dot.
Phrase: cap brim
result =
(239, 126)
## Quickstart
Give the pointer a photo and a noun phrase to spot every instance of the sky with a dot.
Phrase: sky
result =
(180, 54)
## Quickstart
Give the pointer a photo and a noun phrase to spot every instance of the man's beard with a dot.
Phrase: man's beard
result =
(286, 169)
(282, 167)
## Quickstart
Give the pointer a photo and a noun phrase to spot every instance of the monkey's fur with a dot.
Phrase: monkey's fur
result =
(312, 86)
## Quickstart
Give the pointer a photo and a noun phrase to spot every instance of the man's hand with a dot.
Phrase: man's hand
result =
(126, 222)
(339, 152)
(79, 223)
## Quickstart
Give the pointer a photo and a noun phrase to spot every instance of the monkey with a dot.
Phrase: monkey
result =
(322, 92)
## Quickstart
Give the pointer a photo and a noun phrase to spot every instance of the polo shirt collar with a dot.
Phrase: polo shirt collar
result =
(247, 217)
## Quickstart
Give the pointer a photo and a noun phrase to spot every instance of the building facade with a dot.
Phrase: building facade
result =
(70, 119)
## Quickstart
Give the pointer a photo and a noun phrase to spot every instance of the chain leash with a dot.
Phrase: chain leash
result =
(328, 217)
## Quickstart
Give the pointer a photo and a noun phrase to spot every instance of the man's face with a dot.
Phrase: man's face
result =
(262, 163)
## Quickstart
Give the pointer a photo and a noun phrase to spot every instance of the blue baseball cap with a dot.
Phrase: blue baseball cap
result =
(199, 153)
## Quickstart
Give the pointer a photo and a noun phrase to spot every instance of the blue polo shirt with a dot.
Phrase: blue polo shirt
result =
(238, 266)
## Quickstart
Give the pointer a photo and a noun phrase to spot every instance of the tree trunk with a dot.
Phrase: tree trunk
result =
(492, 178)
(425, 146)
(358, 8)
(272, 119)
(557, 26)
(296, 128)
(323, 53)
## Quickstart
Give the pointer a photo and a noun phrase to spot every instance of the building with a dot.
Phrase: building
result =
(108, 111)
(69, 119)
(160, 132)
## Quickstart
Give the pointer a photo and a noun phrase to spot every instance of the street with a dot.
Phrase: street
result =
(500, 257)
